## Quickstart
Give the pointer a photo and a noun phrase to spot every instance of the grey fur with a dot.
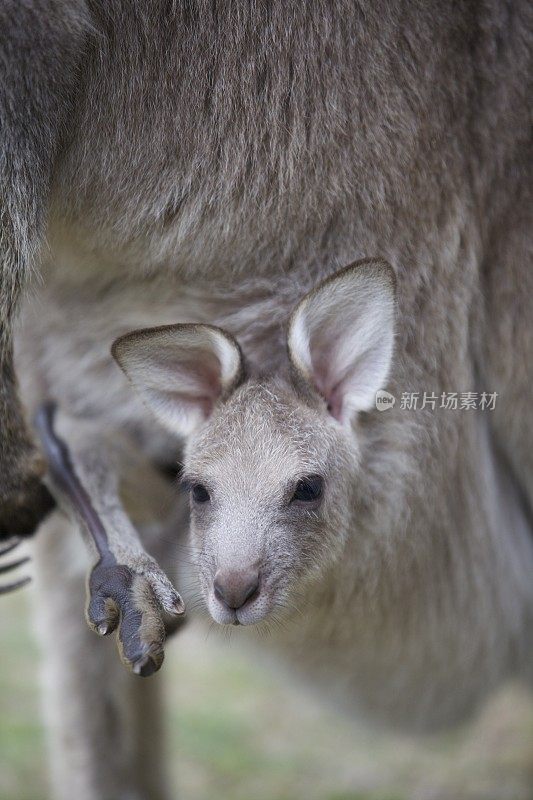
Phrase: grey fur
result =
(41, 47)
(221, 160)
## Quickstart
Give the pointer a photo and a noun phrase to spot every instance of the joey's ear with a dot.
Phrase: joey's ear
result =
(180, 371)
(341, 337)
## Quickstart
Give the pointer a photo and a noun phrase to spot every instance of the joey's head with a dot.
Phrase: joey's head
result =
(270, 462)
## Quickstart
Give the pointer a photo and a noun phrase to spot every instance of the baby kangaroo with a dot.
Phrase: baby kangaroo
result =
(296, 512)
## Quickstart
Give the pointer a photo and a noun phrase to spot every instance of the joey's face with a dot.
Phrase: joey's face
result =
(271, 465)
(269, 481)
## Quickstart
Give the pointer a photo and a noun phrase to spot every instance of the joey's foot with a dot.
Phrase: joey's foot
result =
(140, 603)
(24, 499)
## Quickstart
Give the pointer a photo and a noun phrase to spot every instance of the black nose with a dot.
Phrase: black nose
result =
(234, 587)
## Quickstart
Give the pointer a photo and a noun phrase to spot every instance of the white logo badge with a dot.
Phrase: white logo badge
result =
(384, 400)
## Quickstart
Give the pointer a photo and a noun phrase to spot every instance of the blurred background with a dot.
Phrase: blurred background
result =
(238, 731)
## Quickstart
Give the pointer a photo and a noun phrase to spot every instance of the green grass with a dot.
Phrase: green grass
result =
(238, 731)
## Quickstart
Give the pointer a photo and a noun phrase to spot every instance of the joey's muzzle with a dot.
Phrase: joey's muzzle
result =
(236, 587)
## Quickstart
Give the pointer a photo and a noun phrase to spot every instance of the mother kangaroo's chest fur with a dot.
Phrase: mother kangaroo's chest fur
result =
(211, 142)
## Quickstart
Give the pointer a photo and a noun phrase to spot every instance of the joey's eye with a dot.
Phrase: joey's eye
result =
(308, 489)
(200, 493)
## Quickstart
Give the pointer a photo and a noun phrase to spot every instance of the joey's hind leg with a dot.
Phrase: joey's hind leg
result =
(127, 589)
(105, 724)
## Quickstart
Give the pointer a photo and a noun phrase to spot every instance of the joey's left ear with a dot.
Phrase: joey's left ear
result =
(341, 337)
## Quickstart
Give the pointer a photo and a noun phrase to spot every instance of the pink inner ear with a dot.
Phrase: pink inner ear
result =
(321, 356)
(199, 373)
(335, 403)
(204, 402)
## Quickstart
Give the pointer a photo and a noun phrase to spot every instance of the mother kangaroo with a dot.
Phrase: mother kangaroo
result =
(207, 171)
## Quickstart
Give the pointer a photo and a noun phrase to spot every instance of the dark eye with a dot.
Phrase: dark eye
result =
(200, 493)
(308, 489)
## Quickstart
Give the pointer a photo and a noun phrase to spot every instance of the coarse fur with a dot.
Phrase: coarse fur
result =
(212, 163)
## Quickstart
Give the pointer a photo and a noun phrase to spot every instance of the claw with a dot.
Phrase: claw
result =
(13, 565)
(9, 547)
(104, 628)
(144, 667)
(11, 587)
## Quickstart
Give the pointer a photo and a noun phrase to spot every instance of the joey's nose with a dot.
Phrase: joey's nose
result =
(234, 587)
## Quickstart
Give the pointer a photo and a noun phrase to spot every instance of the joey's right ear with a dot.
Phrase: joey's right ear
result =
(180, 371)
(341, 337)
